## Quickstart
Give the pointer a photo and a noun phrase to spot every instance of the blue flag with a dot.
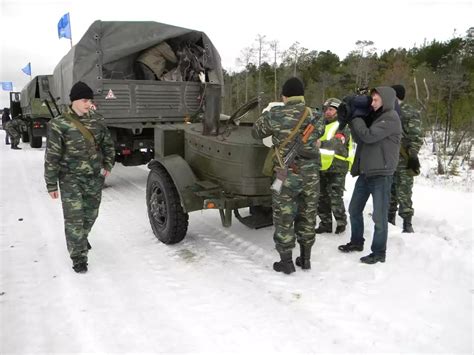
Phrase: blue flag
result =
(27, 69)
(64, 27)
(7, 86)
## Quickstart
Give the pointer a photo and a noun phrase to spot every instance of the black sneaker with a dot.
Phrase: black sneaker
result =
(80, 268)
(372, 258)
(340, 229)
(349, 247)
(89, 246)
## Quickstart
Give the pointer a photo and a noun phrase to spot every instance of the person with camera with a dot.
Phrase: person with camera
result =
(408, 164)
(336, 156)
(377, 133)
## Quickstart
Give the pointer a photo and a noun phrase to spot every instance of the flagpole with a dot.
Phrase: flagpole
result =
(70, 31)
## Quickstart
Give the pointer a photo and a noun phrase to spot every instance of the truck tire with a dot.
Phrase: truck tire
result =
(167, 218)
(25, 136)
(36, 142)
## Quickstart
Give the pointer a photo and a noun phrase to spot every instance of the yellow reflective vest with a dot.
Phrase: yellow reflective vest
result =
(328, 155)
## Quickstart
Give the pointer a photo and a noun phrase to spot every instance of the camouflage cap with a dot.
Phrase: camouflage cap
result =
(333, 102)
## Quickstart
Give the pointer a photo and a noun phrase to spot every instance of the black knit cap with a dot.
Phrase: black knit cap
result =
(399, 91)
(292, 87)
(81, 90)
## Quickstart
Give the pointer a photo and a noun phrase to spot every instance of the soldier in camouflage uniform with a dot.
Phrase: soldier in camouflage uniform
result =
(294, 206)
(5, 119)
(15, 128)
(79, 155)
(335, 147)
(408, 165)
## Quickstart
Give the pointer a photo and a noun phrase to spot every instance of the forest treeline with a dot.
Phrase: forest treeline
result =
(438, 77)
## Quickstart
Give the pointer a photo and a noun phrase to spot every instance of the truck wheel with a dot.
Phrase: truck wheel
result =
(36, 142)
(25, 136)
(167, 218)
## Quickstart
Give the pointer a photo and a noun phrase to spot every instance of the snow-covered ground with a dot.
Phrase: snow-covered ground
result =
(216, 292)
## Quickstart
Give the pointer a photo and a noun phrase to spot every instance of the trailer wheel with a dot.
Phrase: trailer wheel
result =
(167, 218)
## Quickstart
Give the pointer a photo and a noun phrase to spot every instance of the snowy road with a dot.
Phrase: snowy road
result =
(216, 291)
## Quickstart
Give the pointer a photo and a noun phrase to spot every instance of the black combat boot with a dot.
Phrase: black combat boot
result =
(407, 227)
(391, 217)
(285, 265)
(324, 228)
(80, 268)
(15, 146)
(304, 260)
(340, 229)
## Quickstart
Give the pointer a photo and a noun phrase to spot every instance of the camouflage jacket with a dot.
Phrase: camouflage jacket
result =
(280, 121)
(68, 152)
(411, 135)
(17, 124)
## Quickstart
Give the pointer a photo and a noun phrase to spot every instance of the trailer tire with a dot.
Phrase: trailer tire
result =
(168, 220)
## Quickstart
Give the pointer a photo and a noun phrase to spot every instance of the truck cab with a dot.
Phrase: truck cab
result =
(35, 109)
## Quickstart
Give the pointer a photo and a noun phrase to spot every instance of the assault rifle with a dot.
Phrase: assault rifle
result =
(297, 146)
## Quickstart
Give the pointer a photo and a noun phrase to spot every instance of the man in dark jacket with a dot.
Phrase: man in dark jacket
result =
(5, 119)
(376, 159)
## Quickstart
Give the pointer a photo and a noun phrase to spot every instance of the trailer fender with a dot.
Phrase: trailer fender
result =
(183, 178)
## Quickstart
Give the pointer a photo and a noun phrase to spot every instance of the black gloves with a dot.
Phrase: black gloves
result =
(413, 163)
(343, 113)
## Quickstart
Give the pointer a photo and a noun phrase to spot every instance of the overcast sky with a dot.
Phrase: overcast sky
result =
(29, 27)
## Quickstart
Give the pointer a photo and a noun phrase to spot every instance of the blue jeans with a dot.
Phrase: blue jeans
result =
(379, 187)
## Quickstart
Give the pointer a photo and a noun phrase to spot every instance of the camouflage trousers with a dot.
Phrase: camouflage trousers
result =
(80, 196)
(294, 210)
(331, 198)
(401, 194)
(14, 134)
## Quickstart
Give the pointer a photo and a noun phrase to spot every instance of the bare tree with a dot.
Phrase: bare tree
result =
(454, 82)
(274, 47)
(294, 54)
(365, 49)
(424, 106)
(247, 57)
(262, 53)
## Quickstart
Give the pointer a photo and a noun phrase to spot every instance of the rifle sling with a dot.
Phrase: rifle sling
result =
(85, 132)
(290, 137)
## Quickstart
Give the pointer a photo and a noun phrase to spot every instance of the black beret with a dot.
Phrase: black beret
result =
(400, 91)
(81, 90)
(292, 87)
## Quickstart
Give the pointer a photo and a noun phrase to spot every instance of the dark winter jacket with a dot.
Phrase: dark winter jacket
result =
(5, 117)
(378, 144)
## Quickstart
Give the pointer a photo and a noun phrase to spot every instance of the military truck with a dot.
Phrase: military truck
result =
(159, 89)
(34, 108)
